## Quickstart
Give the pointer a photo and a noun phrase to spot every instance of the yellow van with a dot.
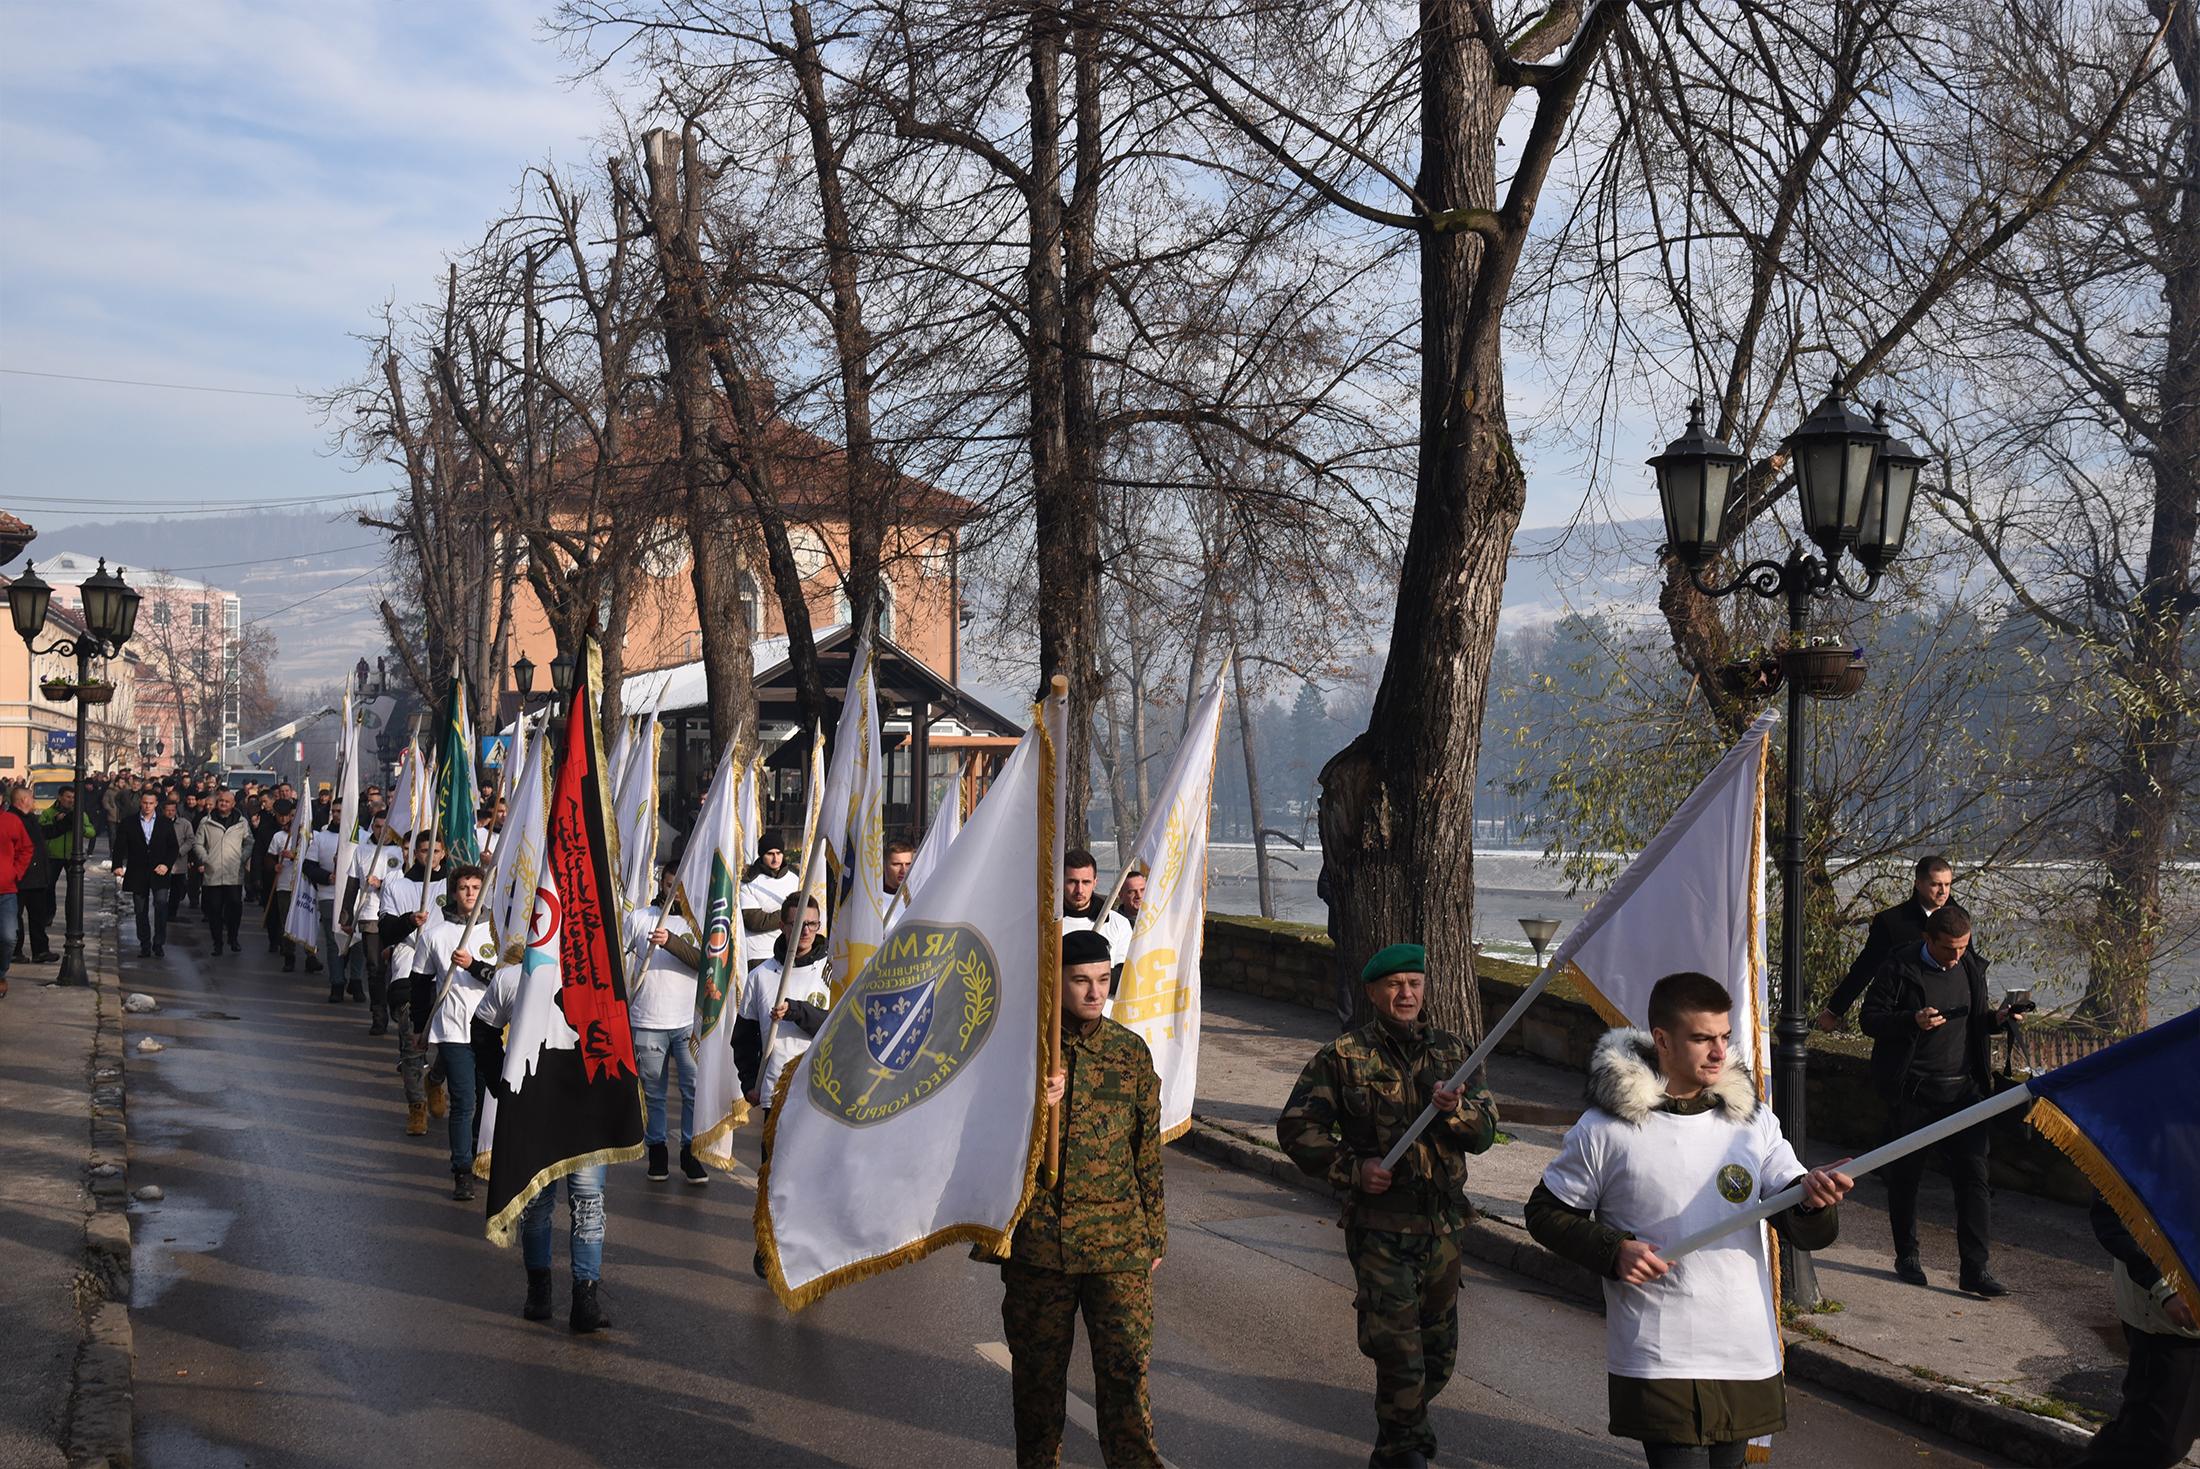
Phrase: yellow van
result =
(48, 782)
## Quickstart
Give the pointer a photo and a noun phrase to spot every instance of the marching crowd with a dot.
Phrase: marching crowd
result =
(1674, 1123)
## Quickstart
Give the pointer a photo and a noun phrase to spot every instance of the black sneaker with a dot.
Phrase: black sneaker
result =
(236, 948)
(1907, 1270)
(160, 951)
(587, 1313)
(313, 965)
(758, 1265)
(538, 1306)
(692, 1168)
(336, 997)
(658, 1160)
(1983, 1285)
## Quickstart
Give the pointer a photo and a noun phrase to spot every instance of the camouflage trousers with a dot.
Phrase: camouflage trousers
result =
(1409, 1326)
(1039, 1317)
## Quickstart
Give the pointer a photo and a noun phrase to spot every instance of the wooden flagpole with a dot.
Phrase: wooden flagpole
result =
(1059, 687)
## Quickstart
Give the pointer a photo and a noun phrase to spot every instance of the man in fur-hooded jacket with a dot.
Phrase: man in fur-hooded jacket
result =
(1675, 1141)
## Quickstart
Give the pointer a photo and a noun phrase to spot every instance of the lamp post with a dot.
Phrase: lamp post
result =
(110, 616)
(1540, 932)
(1855, 481)
(561, 678)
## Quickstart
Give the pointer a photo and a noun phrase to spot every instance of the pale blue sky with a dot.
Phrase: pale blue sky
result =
(221, 193)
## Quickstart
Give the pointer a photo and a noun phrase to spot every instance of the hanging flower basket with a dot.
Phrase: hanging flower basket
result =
(59, 690)
(1820, 672)
(1852, 679)
(1749, 678)
(96, 693)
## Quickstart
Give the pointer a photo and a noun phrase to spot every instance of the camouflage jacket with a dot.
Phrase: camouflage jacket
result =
(1104, 1210)
(1358, 1096)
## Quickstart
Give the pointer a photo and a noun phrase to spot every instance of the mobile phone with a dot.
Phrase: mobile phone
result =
(1956, 1014)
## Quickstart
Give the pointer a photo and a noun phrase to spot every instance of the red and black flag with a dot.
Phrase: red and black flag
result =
(568, 1095)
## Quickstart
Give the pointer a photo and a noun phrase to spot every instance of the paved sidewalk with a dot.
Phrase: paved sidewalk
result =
(2054, 1345)
(53, 1280)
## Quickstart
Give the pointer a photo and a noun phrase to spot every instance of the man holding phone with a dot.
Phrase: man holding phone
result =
(1932, 1031)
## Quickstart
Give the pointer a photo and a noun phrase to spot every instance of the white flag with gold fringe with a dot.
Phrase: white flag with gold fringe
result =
(916, 1119)
(1158, 994)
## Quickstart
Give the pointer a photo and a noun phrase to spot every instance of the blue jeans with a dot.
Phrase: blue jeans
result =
(651, 1050)
(465, 1084)
(584, 1201)
(11, 909)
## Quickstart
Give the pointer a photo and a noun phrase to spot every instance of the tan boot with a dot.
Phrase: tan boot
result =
(439, 1099)
(416, 1119)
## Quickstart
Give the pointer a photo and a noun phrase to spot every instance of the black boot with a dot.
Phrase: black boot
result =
(587, 1314)
(336, 995)
(691, 1167)
(381, 1025)
(462, 1187)
(658, 1159)
(538, 1296)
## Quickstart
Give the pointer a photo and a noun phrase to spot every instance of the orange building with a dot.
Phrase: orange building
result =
(928, 722)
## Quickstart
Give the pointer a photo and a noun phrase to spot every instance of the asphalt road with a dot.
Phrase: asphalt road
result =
(308, 1294)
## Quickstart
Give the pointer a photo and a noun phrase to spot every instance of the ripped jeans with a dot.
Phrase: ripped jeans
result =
(584, 1202)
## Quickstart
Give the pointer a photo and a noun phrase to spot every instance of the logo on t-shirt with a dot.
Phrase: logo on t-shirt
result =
(1735, 1184)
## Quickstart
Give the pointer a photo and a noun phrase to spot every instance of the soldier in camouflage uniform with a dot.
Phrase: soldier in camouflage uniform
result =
(1093, 1240)
(1355, 1099)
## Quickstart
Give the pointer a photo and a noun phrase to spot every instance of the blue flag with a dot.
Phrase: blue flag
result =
(2129, 1116)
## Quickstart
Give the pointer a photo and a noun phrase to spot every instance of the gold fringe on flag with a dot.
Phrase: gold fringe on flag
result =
(2055, 1125)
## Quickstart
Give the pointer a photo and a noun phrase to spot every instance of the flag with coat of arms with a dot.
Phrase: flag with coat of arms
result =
(916, 1119)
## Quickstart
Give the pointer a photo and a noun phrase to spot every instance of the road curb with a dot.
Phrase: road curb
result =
(1959, 1412)
(102, 1402)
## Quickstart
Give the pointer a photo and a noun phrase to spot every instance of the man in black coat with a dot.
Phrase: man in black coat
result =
(145, 853)
(1932, 1036)
(1896, 930)
(37, 883)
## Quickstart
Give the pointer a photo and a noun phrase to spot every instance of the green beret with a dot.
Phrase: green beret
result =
(1397, 959)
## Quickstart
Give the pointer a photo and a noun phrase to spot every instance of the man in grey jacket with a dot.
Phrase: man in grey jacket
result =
(220, 849)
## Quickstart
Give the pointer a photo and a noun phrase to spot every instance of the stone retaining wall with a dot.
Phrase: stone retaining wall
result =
(1296, 963)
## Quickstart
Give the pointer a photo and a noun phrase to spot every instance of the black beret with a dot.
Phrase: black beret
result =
(1083, 946)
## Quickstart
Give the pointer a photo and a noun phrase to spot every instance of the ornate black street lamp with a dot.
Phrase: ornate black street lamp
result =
(1856, 483)
(561, 681)
(110, 616)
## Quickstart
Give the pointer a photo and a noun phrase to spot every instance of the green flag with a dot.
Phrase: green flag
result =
(454, 783)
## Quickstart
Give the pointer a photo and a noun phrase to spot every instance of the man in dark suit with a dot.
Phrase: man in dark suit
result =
(1932, 1055)
(1896, 930)
(145, 853)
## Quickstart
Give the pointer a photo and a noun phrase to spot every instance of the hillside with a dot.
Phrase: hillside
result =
(315, 575)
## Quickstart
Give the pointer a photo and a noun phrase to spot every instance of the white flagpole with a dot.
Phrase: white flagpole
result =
(1877, 1158)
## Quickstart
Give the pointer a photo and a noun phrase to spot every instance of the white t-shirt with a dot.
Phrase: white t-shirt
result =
(368, 862)
(664, 990)
(286, 868)
(764, 891)
(788, 1041)
(321, 849)
(1117, 931)
(450, 1023)
(401, 894)
(1662, 1180)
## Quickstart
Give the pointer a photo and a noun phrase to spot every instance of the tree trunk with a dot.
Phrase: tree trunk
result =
(1066, 518)
(867, 501)
(612, 639)
(1252, 786)
(2144, 789)
(1111, 760)
(1397, 816)
(729, 675)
